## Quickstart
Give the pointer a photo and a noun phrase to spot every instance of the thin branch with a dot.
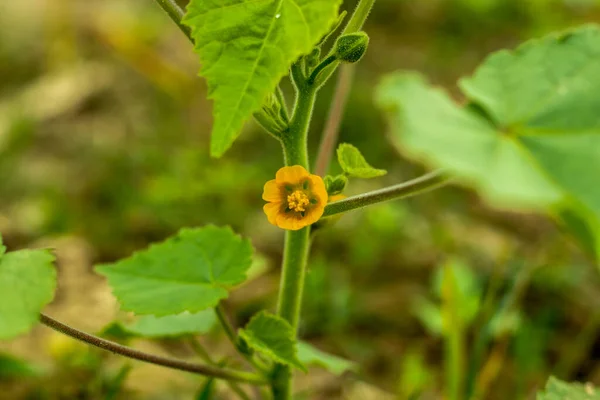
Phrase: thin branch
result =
(201, 351)
(227, 327)
(332, 126)
(359, 16)
(425, 183)
(176, 14)
(324, 64)
(230, 332)
(207, 370)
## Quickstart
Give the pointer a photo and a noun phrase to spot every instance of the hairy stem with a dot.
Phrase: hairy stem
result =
(201, 351)
(230, 332)
(295, 139)
(207, 370)
(359, 16)
(176, 14)
(315, 73)
(334, 120)
(297, 243)
(425, 183)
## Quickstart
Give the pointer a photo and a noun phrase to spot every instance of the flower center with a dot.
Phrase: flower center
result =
(298, 201)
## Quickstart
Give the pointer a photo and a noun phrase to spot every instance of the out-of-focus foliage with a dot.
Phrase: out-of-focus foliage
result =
(104, 137)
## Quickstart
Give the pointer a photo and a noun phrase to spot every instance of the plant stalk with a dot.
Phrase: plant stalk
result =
(176, 14)
(297, 243)
(207, 370)
(425, 183)
(359, 16)
(332, 127)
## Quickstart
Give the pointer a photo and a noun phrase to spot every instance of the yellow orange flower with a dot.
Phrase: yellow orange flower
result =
(295, 198)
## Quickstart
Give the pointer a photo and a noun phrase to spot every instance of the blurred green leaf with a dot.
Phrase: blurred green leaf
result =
(354, 164)
(274, 337)
(191, 271)
(468, 288)
(558, 390)
(15, 368)
(454, 326)
(115, 331)
(416, 376)
(115, 383)
(173, 325)
(540, 143)
(582, 231)
(310, 355)
(27, 284)
(247, 47)
(207, 391)
(430, 316)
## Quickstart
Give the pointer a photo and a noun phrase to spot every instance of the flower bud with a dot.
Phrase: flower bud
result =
(313, 58)
(335, 185)
(351, 47)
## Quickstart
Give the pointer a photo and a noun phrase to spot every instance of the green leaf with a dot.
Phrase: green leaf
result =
(557, 390)
(531, 136)
(207, 391)
(354, 164)
(15, 368)
(581, 230)
(173, 325)
(27, 284)
(246, 47)
(274, 337)
(191, 271)
(115, 331)
(310, 355)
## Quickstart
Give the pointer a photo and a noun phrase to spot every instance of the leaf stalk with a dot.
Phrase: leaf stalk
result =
(201, 369)
(176, 14)
(425, 183)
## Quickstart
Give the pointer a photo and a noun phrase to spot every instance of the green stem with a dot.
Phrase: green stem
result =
(297, 243)
(295, 140)
(315, 73)
(425, 183)
(207, 370)
(292, 280)
(176, 14)
(359, 16)
(201, 351)
(231, 335)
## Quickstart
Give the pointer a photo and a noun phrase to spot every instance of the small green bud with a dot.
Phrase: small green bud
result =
(335, 185)
(351, 47)
(313, 58)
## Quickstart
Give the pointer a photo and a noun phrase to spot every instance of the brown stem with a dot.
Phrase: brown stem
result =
(336, 112)
(216, 372)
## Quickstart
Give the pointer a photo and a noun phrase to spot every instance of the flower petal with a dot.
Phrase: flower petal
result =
(292, 175)
(272, 210)
(318, 188)
(272, 191)
(290, 222)
(313, 215)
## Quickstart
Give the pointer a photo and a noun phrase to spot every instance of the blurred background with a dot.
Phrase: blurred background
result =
(104, 133)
